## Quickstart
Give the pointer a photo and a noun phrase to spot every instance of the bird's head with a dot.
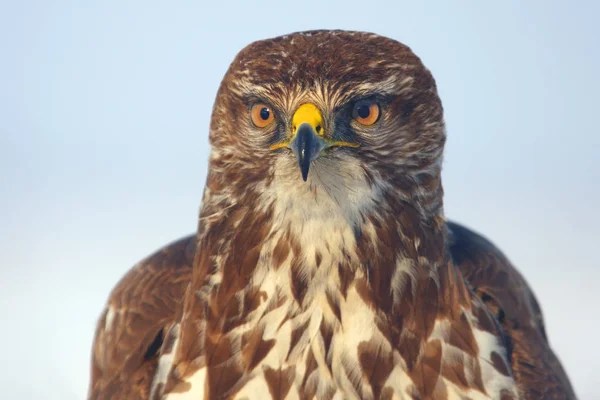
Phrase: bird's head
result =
(336, 111)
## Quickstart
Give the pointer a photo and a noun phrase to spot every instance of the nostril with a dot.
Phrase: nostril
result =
(318, 128)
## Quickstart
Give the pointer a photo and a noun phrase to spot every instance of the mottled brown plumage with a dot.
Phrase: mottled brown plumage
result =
(505, 292)
(492, 276)
(348, 285)
(143, 306)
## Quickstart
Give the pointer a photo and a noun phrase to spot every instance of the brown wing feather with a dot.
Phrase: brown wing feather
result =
(130, 331)
(503, 289)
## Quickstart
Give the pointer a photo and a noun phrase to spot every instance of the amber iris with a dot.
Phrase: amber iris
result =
(366, 112)
(262, 115)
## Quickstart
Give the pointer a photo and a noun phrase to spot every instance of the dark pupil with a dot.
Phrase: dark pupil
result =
(265, 113)
(363, 111)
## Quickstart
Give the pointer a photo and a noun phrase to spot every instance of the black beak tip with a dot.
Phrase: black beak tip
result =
(307, 147)
(304, 163)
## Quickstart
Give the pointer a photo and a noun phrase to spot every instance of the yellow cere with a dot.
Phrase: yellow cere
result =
(308, 113)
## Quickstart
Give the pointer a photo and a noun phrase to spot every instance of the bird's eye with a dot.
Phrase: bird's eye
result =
(262, 115)
(366, 112)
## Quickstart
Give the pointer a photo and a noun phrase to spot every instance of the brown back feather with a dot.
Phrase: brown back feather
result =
(146, 302)
(537, 370)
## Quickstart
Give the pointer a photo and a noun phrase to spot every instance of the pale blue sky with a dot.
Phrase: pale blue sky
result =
(104, 109)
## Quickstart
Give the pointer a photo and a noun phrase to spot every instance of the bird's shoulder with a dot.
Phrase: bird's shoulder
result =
(148, 299)
(131, 329)
(506, 293)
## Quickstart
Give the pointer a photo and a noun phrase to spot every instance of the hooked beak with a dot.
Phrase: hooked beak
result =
(308, 137)
(307, 146)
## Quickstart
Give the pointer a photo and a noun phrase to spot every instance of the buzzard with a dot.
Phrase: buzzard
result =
(323, 266)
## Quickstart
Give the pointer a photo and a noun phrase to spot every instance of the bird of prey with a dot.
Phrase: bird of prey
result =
(323, 266)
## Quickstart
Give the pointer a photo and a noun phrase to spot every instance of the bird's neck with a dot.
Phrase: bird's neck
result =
(268, 292)
(392, 254)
